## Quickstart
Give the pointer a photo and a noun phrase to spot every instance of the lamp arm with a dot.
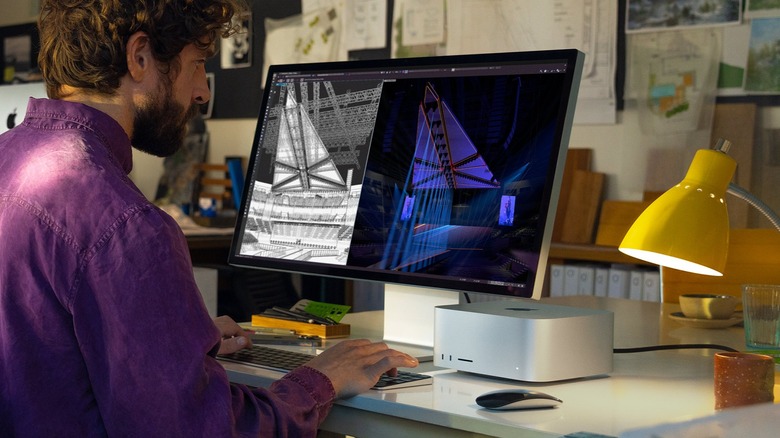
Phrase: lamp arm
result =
(751, 199)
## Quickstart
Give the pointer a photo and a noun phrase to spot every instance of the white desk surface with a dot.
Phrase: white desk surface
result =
(644, 389)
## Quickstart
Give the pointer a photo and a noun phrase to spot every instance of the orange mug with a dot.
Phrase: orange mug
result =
(743, 379)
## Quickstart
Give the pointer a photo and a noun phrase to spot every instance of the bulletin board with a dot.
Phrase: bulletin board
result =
(237, 86)
(238, 91)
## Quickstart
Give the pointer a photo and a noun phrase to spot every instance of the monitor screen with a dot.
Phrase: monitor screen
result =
(437, 172)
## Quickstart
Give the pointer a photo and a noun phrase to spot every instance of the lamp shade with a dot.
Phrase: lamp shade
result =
(687, 228)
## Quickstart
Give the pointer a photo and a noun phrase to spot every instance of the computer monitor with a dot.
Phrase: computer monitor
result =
(440, 173)
(13, 102)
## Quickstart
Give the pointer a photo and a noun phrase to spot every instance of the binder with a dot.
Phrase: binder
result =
(585, 283)
(635, 285)
(651, 286)
(619, 278)
(570, 280)
(600, 281)
(556, 280)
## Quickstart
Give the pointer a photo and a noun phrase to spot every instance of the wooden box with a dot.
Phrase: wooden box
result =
(303, 328)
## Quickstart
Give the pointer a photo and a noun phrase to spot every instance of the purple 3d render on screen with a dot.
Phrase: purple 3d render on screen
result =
(437, 172)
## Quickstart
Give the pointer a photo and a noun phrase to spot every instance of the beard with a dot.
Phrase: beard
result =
(161, 124)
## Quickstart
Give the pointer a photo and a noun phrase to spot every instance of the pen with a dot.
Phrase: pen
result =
(270, 330)
(288, 317)
(303, 341)
(277, 312)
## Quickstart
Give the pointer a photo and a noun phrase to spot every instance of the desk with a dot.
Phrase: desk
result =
(643, 390)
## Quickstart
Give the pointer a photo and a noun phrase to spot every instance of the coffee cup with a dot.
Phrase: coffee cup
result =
(708, 306)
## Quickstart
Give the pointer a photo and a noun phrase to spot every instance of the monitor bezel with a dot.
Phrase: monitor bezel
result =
(572, 57)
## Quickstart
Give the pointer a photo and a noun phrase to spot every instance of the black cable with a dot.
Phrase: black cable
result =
(657, 347)
(673, 347)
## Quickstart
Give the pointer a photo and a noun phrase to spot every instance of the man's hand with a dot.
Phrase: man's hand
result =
(234, 337)
(354, 366)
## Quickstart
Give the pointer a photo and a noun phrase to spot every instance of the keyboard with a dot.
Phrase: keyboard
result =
(284, 361)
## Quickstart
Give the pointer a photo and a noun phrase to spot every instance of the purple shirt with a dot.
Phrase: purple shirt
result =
(102, 329)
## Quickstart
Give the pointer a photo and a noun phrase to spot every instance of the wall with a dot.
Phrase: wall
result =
(616, 151)
(621, 157)
(226, 137)
(18, 11)
(617, 148)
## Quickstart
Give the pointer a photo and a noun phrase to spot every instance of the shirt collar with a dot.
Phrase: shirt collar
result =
(108, 130)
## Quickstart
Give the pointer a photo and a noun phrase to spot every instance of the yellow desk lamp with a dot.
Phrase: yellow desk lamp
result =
(687, 228)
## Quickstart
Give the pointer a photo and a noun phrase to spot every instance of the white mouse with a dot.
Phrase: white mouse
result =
(511, 399)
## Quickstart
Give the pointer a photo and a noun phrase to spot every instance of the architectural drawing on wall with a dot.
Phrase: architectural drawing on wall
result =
(762, 9)
(676, 75)
(445, 161)
(306, 209)
(763, 65)
(313, 36)
(236, 51)
(643, 15)
(668, 92)
(479, 26)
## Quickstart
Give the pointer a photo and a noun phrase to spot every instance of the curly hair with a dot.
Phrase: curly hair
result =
(83, 42)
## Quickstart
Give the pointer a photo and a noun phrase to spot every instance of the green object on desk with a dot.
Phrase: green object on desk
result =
(333, 312)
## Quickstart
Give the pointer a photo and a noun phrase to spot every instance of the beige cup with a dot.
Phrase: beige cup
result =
(708, 306)
(761, 307)
(743, 379)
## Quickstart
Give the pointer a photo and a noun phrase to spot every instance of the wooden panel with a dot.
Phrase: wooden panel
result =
(576, 159)
(560, 252)
(213, 183)
(616, 218)
(216, 182)
(736, 122)
(754, 257)
(583, 207)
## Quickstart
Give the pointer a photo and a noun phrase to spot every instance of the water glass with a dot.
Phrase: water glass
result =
(761, 308)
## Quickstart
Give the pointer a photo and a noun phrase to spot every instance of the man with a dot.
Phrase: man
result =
(102, 329)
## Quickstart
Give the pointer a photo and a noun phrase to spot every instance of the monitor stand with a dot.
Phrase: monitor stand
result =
(408, 314)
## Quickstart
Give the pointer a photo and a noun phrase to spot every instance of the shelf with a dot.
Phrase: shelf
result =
(591, 253)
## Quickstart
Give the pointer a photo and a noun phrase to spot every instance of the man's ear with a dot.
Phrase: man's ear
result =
(139, 56)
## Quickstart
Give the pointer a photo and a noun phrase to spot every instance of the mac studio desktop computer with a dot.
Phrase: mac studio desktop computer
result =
(437, 177)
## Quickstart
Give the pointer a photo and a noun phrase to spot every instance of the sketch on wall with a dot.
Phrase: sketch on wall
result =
(644, 16)
(763, 64)
(236, 51)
